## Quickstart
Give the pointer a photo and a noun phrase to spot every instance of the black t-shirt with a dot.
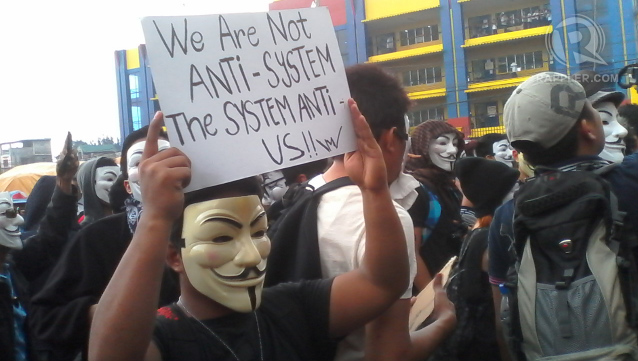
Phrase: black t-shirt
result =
(293, 321)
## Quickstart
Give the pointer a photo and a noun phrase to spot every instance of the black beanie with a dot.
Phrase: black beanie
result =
(485, 182)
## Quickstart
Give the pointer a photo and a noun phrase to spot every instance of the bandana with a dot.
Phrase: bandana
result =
(133, 212)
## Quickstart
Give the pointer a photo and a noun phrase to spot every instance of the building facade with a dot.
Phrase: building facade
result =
(459, 60)
(22, 152)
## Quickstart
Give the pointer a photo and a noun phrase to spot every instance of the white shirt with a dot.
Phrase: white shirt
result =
(341, 231)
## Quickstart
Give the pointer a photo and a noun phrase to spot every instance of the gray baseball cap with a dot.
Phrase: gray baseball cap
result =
(543, 109)
(602, 96)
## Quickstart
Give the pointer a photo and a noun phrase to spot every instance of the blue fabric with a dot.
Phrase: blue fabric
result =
(19, 318)
(433, 215)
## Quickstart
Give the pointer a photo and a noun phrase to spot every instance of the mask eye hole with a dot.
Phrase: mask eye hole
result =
(222, 239)
(9, 213)
(258, 234)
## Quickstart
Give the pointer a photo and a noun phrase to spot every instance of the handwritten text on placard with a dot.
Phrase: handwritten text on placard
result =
(244, 94)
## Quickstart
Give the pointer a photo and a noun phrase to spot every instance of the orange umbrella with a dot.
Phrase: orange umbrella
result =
(23, 177)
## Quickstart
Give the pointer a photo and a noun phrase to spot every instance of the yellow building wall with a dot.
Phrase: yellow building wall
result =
(132, 59)
(385, 8)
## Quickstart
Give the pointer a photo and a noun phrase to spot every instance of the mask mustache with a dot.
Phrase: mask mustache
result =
(243, 275)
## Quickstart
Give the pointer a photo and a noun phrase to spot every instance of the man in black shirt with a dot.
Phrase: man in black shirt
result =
(221, 257)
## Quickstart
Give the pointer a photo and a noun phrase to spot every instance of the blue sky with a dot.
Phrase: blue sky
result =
(58, 71)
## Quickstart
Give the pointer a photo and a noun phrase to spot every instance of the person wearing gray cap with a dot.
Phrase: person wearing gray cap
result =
(550, 119)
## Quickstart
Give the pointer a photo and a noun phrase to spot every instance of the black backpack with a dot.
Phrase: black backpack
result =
(469, 289)
(294, 254)
(571, 289)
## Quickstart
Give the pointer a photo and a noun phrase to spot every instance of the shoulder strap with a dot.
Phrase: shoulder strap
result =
(332, 185)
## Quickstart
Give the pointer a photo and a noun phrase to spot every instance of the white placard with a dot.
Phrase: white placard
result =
(244, 94)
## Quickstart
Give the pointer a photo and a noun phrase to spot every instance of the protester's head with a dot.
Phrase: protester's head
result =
(549, 118)
(223, 245)
(485, 183)
(132, 150)
(274, 185)
(606, 103)
(435, 144)
(495, 146)
(303, 172)
(10, 222)
(383, 102)
(628, 118)
(95, 178)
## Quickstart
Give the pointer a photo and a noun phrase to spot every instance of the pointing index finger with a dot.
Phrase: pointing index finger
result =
(150, 149)
(68, 143)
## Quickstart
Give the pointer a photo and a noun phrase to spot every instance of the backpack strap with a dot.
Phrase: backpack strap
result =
(332, 185)
(434, 214)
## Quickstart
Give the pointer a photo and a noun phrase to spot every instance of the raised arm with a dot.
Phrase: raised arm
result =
(123, 322)
(362, 294)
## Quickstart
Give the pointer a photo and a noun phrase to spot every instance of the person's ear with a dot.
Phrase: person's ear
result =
(174, 259)
(587, 129)
(127, 186)
(490, 157)
(389, 141)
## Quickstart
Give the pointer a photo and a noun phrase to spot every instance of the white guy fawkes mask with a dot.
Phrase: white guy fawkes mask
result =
(133, 158)
(104, 179)
(225, 250)
(503, 152)
(443, 151)
(10, 220)
(274, 185)
(614, 132)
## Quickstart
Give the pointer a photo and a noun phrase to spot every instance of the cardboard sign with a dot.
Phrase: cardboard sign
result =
(424, 304)
(244, 94)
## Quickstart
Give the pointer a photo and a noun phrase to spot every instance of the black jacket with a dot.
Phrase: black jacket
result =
(60, 310)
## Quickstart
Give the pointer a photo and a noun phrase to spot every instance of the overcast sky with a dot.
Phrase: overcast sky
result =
(57, 70)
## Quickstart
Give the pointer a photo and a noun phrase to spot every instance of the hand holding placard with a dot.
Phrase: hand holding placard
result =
(250, 93)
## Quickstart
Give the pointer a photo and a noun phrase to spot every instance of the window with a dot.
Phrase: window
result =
(42, 148)
(513, 63)
(134, 86)
(385, 44)
(419, 116)
(136, 117)
(419, 35)
(422, 76)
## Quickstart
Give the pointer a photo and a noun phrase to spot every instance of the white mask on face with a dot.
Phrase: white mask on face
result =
(443, 150)
(133, 158)
(614, 132)
(225, 250)
(503, 152)
(9, 223)
(274, 187)
(104, 179)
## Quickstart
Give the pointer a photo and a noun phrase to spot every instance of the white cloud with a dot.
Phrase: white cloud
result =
(58, 70)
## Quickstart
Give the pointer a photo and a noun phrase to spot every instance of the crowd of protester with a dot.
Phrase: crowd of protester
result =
(116, 262)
